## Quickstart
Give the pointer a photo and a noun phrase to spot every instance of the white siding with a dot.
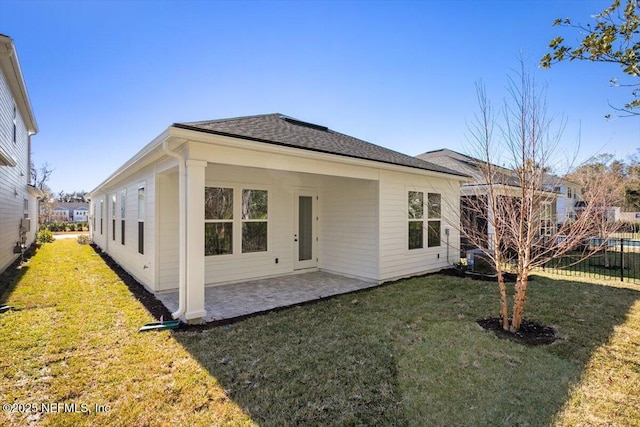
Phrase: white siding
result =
(167, 231)
(396, 260)
(141, 266)
(349, 227)
(13, 180)
(281, 186)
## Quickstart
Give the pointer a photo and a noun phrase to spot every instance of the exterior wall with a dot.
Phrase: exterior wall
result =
(141, 266)
(167, 231)
(349, 227)
(396, 260)
(13, 179)
(361, 217)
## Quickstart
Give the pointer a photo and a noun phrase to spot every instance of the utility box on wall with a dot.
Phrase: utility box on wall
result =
(25, 224)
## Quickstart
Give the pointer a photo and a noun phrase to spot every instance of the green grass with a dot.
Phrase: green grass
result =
(74, 341)
(409, 353)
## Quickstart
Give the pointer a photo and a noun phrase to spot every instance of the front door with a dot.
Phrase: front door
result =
(304, 232)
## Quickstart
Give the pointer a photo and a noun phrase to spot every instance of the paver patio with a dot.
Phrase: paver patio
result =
(240, 299)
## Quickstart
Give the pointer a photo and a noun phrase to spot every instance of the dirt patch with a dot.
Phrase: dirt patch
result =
(531, 333)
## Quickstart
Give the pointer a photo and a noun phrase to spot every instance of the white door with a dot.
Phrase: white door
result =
(304, 231)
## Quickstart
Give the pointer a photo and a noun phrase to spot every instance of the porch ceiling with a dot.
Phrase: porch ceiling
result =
(226, 302)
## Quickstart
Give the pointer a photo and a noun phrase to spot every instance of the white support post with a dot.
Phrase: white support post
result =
(194, 187)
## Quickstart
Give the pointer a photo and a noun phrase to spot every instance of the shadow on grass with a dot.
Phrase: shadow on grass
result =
(11, 276)
(406, 354)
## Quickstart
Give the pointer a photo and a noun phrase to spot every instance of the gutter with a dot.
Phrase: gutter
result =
(182, 226)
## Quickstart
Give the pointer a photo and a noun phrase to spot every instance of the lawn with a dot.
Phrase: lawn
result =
(408, 353)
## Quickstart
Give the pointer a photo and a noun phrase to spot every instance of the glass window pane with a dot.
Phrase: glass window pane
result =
(415, 235)
(254, 204)
(218, 238)
(435, 208)
(433, 233)
(254, 237)
(141, 204)
(218, 203)
(416, 209)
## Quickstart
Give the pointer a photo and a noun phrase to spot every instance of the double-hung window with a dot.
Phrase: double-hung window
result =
(434, 212)
(113, 217)
(141, 216)
(218, 216)
(123, 204)
(417, 219)
(254, 220)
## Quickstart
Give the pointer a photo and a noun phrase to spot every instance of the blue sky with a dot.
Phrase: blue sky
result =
(106, 77)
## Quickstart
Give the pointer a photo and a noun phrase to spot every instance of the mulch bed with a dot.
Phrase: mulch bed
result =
(146, 298)
(531, 333)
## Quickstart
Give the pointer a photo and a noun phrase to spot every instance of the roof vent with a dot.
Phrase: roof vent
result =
(304, 124)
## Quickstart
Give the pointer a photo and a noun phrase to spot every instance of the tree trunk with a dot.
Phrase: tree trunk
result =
(504, 305)
(520, 299)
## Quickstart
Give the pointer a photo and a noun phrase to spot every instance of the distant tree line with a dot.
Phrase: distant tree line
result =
(623, 177)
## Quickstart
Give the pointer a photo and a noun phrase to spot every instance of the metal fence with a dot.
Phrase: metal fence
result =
(615, 258)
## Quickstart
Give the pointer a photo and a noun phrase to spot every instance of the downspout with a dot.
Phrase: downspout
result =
(182, 223)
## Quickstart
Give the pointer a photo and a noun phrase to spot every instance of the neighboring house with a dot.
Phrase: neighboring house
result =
(569, 198)
(70, 212)
(506, 184)
(81, 214)
(225, 201)
(18, 200)
(60, 214)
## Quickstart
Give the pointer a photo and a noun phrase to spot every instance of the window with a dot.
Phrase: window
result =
(218, 215)
(101, 214)
(123, 202)
(113, 217)
(25, 205)
(546, 226)
(141, 216)
(569, 193)
(15, 125)
(416, 219)
(434, 212)
(254, 220)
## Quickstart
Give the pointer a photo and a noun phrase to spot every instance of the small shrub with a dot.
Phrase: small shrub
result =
(84, 240)
(45, 236)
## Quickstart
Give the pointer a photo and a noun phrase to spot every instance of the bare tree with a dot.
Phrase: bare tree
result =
(516, 204)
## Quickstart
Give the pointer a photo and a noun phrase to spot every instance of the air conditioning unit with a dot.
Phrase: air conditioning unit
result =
(25, 224)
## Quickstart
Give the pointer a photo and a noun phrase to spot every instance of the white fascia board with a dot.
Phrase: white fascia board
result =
(6, 159)
(11, 68)
(254, 146)
(142, 158)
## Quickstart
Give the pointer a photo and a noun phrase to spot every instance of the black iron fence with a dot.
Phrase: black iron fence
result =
(615, 258)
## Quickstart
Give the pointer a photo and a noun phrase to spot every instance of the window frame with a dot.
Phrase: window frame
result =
(229, 221)
(429, 220)
(244, 221)
(237, 222)
(142, 213)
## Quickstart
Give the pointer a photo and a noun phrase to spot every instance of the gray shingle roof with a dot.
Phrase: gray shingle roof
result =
(286, 131)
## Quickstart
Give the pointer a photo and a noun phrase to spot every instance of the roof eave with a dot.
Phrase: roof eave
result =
(11, 68)
(458, 176)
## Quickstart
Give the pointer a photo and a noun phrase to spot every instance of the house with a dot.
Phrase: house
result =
(569, 198)
(506, 184)
(225, 201)
(70, 212)
(18, 199)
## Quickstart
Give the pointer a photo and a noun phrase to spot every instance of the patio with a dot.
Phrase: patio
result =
(226, 302)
